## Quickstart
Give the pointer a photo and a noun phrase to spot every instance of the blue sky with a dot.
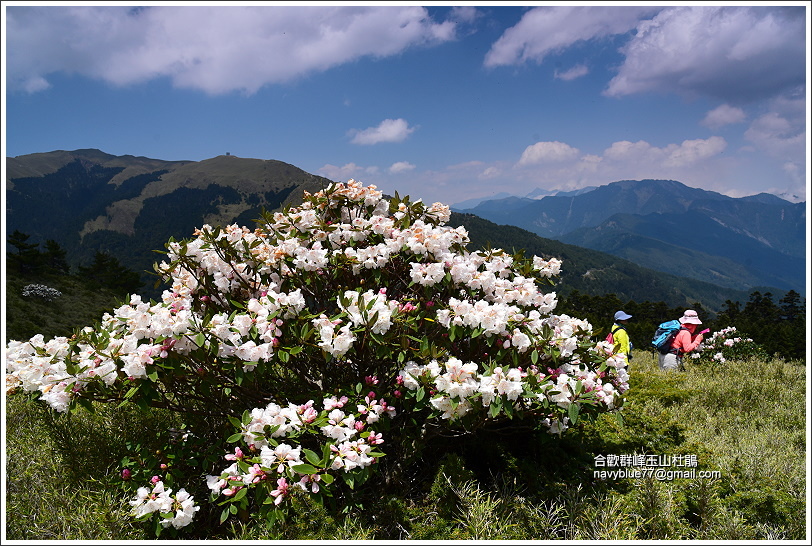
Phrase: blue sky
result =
(438, 102)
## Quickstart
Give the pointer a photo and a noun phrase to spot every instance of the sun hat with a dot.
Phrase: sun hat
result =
(690, 317)
(620, 315)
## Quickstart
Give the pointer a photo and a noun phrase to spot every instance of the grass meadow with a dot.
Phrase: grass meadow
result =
(746, 420)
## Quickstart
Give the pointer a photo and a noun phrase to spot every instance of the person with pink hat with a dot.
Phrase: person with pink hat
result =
(686, 340)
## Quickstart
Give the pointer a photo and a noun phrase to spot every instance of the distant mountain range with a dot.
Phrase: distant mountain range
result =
(88, 201)
(538, 193)
(667, 226)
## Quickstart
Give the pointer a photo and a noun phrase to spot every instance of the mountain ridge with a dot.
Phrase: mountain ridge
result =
(130, 206)
(763, 233)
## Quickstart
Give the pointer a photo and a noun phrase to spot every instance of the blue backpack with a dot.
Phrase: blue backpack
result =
(665, 335)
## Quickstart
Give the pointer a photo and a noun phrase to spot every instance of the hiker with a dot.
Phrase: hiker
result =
(621, 336)
(685, 341)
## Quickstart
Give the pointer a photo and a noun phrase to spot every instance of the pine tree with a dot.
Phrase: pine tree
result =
(55, 258)
(27, 259)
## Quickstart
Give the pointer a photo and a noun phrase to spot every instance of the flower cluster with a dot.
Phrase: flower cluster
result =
(727, 344)
(460, 388)
(178, 510)
(40, 291)
(347, 289)
(275, 464)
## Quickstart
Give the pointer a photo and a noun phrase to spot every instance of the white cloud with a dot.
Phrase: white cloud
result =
(688, 153)
(216, 49)
(693, 151)
(463, 14)
(545, 30)
(490, 173)
(343, 173)
(723, 115)
(546, 152)
(732, 53)
(575, 72)
(389, 130)
(400, 167)
(778, 137)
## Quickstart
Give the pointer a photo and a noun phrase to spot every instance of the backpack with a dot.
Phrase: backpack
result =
(610, 337)
(665, 335)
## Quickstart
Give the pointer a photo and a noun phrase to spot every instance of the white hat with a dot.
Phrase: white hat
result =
(620, 315)
(690, 317)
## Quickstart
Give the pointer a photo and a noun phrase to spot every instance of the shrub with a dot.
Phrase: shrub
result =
(40, 291)
(329, 346)
(726, 344)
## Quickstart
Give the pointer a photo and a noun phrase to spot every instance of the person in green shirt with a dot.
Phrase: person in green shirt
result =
(622, 342)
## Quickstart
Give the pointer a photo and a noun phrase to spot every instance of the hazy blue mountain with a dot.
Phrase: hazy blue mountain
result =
(471, 203)
(668, 226)
(598, 273)
(570, 193)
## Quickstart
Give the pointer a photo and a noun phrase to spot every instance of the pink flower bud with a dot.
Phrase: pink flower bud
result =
(155, 479)
(126, 474)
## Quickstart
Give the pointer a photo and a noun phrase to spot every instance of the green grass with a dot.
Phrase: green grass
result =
(745, 419)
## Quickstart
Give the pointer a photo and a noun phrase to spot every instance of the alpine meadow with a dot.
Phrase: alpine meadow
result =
(359, 366)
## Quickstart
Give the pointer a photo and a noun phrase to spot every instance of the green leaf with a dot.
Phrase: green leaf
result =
(327, 478)
(573, 412)
(234, 438)
(312, 457)
(534, 356)
(87, 404)
(421, 393)
(240, 494)
(305, 469)
(349, 479)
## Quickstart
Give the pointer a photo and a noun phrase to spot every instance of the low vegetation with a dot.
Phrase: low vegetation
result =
(60, 468)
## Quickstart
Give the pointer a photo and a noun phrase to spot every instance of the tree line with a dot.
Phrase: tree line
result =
(29, 260)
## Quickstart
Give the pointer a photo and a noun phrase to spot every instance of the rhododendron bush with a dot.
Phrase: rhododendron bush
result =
(327, 347)
(727, 344)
